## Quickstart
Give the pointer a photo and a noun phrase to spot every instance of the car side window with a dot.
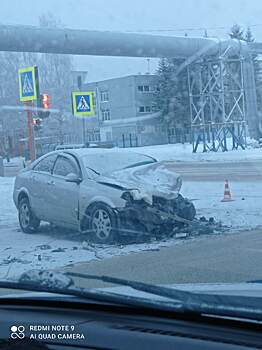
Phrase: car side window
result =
(46, 164)
(64, 166)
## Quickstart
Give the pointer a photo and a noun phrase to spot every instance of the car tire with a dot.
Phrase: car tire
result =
(29, 223)
(103, 224)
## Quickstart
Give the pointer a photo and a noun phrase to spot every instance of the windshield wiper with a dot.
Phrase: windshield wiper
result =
(96, 172)
(177, 300)
(92, 294)
(139, 164)
(204, 303)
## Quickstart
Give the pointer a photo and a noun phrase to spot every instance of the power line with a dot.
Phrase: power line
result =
(187, 29)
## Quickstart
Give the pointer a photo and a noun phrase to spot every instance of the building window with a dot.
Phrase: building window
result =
(104, 96)
(172, 132)
(106, 114)
(143, 88)
(145, 109)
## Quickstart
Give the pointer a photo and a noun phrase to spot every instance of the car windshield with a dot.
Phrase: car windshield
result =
(108, 162)
(131, 147)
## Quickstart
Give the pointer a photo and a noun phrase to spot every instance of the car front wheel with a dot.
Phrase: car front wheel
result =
(27, 220)
(103, 224)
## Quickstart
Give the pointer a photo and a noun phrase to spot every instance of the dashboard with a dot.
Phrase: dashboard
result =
(76, 325)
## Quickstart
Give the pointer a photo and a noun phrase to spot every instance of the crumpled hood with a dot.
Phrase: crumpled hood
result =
(156, 179)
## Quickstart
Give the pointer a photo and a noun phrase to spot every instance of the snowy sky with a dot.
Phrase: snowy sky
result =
(137, 15)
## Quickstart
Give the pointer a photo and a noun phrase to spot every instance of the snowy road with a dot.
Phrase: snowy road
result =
(54, 249)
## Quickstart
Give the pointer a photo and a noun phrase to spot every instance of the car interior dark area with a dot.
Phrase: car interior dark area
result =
(130, 174)
(113, 326)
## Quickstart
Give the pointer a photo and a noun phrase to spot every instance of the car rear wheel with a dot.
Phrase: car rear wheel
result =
(27, 220)
(103, 224)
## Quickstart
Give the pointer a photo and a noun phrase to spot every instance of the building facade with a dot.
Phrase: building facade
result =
(126, 111)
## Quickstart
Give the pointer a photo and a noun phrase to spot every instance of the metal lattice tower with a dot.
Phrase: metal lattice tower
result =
(217, 103)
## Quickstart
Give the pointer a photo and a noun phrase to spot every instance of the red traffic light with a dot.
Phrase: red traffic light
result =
(45, 101)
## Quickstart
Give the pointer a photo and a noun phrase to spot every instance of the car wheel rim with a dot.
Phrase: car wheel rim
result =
(24, 215)
(101, 224)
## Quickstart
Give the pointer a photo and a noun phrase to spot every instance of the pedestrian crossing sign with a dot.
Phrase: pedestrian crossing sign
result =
(82, 103)
(28, 83)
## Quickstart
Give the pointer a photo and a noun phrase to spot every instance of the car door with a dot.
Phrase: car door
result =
(63, 196)
(39, 183)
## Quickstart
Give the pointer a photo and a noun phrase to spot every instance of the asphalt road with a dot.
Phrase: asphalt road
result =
(225, 258)
(219, 171)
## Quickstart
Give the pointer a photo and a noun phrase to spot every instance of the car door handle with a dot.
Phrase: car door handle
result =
(51, 182)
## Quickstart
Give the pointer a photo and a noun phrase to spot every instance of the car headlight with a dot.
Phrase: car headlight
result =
(126, 196)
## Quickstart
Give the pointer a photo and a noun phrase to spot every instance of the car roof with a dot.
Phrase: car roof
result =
(69, 146)
(81, 152)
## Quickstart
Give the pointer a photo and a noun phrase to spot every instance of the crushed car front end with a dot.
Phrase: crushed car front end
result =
(162, 216)
(147, 206)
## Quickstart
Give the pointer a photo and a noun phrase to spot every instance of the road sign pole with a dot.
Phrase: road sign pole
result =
(79, 83)
(28, 92)
(82, 106)
(31, 143)
(84, 129)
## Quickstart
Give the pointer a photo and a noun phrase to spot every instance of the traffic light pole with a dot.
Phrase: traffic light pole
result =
(31, 141)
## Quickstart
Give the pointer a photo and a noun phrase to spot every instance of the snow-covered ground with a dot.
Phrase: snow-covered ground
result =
(48, 249)
(17, 161)
(183, 153)
(244, 212)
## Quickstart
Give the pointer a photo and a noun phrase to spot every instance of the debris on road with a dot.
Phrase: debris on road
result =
(43, 247)
(181, 235)
(10, 260)
(58, 250)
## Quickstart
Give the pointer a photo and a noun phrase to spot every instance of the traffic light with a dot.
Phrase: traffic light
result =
(37, 124)
(43, 103)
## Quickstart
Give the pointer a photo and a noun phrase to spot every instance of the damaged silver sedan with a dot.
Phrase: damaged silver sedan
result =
(103, 193)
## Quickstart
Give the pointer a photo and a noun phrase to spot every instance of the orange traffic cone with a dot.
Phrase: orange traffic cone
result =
(227, 193)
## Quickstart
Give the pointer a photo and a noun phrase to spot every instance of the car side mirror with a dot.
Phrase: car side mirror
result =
(73, 178)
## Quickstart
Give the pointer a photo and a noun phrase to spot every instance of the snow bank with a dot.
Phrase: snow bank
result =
(183, 153)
